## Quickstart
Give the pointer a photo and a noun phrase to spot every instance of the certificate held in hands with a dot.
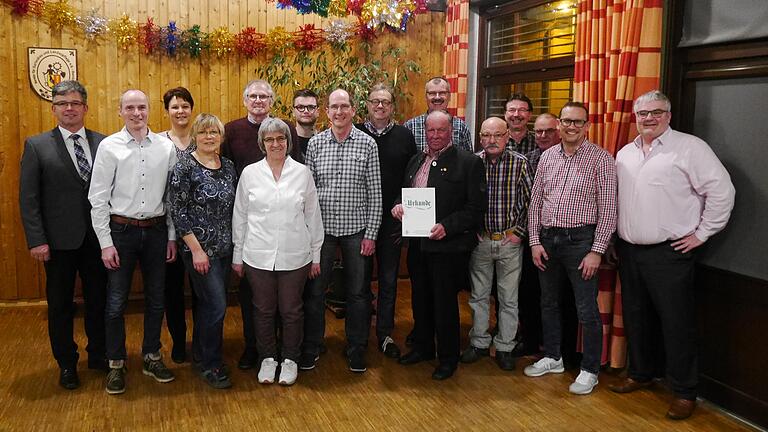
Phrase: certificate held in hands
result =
(418, 211)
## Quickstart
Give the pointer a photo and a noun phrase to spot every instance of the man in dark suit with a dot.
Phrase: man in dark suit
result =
(53, 195)
(438, 264)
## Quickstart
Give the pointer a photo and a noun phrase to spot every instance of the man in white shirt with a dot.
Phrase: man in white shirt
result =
(128, 186)
(674, 194)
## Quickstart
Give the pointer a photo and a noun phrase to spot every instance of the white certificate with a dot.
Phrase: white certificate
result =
(418, 211)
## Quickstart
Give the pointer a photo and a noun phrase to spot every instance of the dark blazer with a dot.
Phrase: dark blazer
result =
(458, 177)
(52, 196)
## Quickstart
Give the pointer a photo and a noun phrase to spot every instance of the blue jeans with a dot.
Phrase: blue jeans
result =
(147, 246)
(566, 248)
(388, 248)
(358, 293)
(211, 292)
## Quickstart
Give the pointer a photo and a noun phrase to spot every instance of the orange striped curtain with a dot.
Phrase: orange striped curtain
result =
(456, 53)
(618, 57)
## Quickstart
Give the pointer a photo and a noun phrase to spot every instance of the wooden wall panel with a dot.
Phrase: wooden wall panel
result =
(107, 71)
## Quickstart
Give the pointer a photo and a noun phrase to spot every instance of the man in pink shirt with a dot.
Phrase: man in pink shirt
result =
(673, 195)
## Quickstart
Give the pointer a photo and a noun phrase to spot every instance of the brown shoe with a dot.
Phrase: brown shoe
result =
(628, 385)
(681, 409)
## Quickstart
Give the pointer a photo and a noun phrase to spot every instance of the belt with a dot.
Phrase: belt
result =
(556, 230)
(141, 223)
(496, 236)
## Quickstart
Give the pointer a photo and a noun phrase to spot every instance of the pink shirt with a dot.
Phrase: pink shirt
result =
(678, 189)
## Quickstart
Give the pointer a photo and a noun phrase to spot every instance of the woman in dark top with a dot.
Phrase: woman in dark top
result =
(202, 194)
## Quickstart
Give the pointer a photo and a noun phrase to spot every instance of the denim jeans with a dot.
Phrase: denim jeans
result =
(506, 259)
(358, 293)
(147, 246)
(211, 292)
(566, 248)
(388, 248)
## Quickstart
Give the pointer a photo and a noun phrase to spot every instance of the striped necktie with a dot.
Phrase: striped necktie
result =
(82, 162)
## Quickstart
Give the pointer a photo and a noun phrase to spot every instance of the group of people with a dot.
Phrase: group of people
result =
(274, 202)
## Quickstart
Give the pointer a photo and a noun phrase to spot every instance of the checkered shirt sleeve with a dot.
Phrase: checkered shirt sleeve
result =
(461, 137)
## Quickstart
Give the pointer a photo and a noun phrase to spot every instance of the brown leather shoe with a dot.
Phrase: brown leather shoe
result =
(628, 385)
(681, 409)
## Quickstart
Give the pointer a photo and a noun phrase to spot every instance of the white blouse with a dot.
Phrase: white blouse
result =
(276, 225)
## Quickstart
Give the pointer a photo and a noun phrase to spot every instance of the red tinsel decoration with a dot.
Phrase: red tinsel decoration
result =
(248, 43)
(366, 33)
(355, 7)
(23, 7)
(308, 37)
(150, 36)
(421, 7)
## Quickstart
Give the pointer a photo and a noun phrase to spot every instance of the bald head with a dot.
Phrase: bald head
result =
(439, 125)
(545, 129)
(494, 135)
(134, 110)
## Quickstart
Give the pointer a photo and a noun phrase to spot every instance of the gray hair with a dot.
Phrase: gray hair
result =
(205, 121)
(70, 86)
(440, 112)
(383, 87)
(258, 81)
(652, 96)
(438, 80)
(272, 124)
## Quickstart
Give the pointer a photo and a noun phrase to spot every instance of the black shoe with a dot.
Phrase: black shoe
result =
(116, 381)
(473, 354)
(443, 371)
(249, 359)
(68, 378)
(356, 360)
(505, 360)
(98, 364)
(389, 348)
(308, 361)
(157, 370)
(216, 378)
(414, 357)
(409, 339)
(179, 353)
(520, 350)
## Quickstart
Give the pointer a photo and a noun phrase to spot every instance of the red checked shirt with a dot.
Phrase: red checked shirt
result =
(575, 190)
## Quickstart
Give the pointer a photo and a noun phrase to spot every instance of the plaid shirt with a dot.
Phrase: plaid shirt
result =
(461, 137)
(533, 159)
(574, 191)
(348, 182)
(509, 192)
(525, 146)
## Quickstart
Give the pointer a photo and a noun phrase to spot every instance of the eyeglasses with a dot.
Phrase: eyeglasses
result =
(493, 136)
(253, 97)
(210, 133)
(567, 122)
(383, 102)
(437, 93)
(543, 132)
(655, 113)
(280, 140)
(305, 108)
(518, 110)
(343, 107)
(67, 104)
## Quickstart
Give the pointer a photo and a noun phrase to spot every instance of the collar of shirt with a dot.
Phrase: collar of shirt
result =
(252, 121)
(436, 154)
(561, 149)
(638, 141)
(66, 134)
(504, 156)
(372, 129)
(150, 138)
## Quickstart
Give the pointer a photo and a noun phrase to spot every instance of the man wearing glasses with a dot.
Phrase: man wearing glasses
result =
(504, 227)
(571, 219)
(344, 162)
(674, 194)
(396, 147)
(438, 95)
(241, 147)
(517, 113)
(53, 197)
(305, 112)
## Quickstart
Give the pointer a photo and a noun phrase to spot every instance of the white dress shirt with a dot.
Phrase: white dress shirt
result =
(130, 179)
(69, 143)
(276, 225)
(680, 188)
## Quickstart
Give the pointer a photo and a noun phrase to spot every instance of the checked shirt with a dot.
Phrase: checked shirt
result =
(461, 138)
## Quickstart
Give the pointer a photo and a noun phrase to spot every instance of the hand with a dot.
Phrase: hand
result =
(314, 271)
(200, 262)
(687, 243)
(170, 251)
(238, 269)
(539, 257)
(589, 265)
(367, 247)
(511, 238)
(437, 232)
(40, 253)
(397, 212)
(110, 258)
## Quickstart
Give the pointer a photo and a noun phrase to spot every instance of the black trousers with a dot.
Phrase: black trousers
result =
(175, 317)
(436, 279)
(530, 304)
(61, 271)
(657, 284)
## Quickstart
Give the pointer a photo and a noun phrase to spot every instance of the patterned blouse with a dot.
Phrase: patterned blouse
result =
(201, 201)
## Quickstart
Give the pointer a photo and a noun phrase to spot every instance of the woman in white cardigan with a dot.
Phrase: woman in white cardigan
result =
(278, 232)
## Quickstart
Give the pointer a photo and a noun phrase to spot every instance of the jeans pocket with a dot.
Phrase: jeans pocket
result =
(117, 227)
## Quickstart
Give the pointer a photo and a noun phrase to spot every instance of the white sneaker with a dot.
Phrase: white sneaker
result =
(544, 366)
(288, 372)
(267, 371)
(585, 382)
